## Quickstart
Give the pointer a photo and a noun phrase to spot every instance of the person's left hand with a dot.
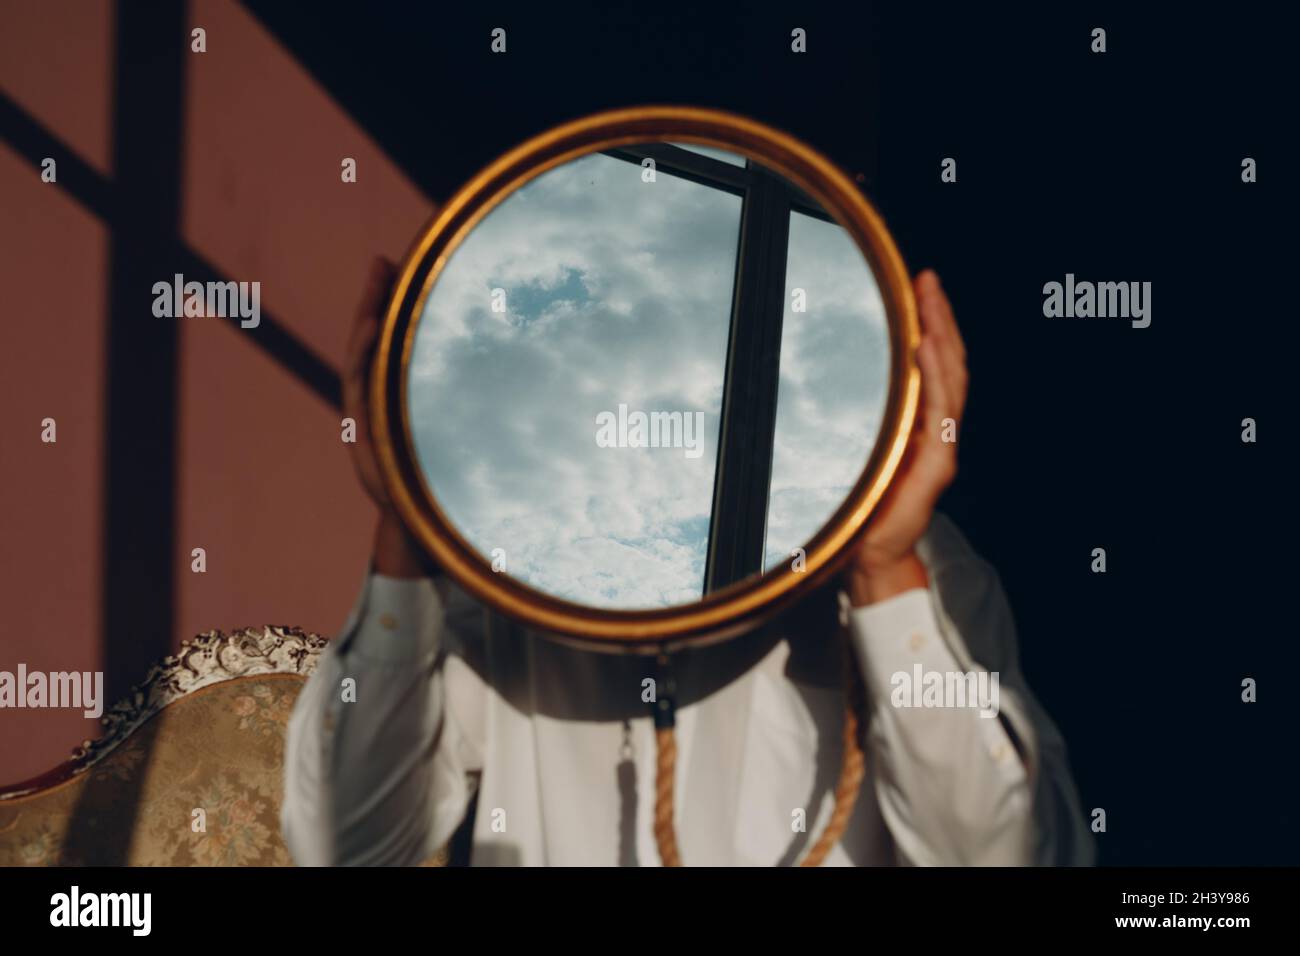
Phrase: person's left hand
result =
(886, 563)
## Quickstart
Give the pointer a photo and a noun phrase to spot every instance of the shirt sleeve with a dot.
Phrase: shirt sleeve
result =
(982, 781)
(376, 760)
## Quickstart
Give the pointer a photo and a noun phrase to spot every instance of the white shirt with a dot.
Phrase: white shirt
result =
(450, 698)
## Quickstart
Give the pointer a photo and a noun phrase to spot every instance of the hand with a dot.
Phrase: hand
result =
(395, 555)
(886, 563)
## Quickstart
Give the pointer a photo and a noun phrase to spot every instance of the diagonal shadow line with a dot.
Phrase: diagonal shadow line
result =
(90, 188)
(141, 209)
(34, 142)
(272, 337)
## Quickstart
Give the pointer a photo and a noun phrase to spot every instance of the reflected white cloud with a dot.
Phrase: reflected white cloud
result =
(617, 292)
(834, 381)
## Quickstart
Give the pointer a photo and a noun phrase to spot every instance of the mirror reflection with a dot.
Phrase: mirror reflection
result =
(648, 373)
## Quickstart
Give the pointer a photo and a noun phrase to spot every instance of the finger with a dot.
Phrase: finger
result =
(353, 392)
(935, 402)
(941, 307)
(378, 282)
(360, 345)
(929, 304)
(937, 310)
(938, 324)
(934, 453)
(951, 370)
(365, 331)
(928, 294)
(955, 376)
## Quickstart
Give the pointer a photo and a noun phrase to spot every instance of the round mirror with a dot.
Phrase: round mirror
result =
(644, 378)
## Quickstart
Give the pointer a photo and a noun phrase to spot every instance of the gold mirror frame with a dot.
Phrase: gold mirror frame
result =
(739, 606)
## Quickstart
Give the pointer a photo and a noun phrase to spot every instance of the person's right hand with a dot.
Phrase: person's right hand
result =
(395, 555)
(356, 378)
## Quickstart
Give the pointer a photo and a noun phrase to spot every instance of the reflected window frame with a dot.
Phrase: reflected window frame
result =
(751, 380)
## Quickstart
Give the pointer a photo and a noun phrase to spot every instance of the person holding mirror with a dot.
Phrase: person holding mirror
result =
(427, 704)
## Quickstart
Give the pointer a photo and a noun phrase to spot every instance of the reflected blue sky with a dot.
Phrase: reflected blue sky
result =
(834, 382)
(617, 291)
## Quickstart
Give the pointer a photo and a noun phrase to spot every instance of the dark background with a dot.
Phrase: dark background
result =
(1079, 433)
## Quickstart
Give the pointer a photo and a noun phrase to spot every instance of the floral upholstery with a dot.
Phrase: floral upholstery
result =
(193, 778)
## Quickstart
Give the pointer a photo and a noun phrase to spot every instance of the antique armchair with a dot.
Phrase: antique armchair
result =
(188, 771)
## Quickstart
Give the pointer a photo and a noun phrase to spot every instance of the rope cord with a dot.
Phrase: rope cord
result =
(853, 766)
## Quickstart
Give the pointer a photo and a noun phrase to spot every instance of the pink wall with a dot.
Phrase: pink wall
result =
(53, 270)
(264, 484)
